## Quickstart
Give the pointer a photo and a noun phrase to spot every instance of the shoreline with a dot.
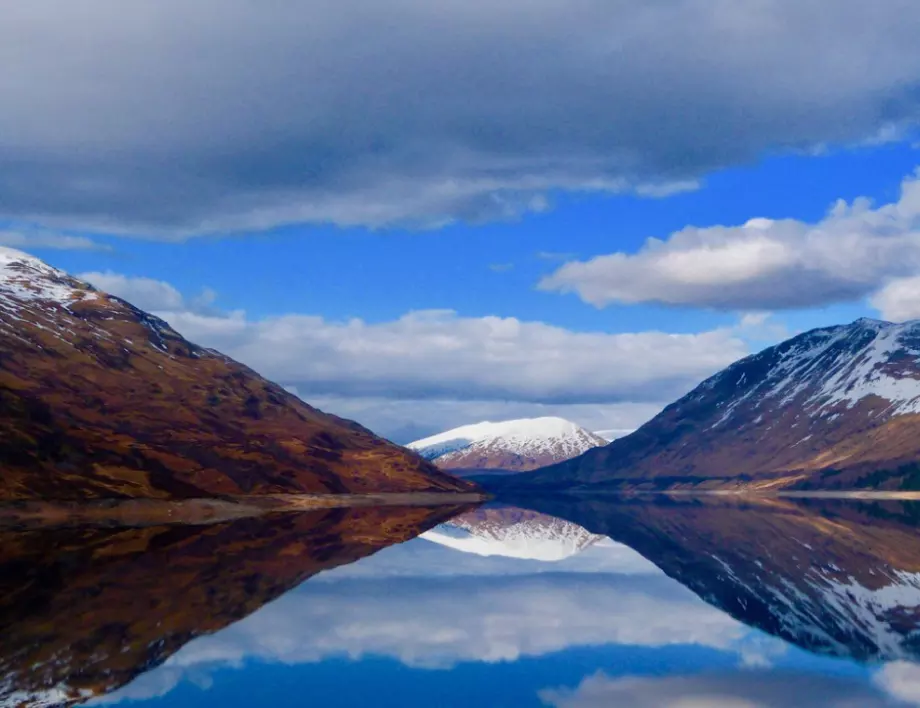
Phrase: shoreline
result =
(729, 493)
(205, 511)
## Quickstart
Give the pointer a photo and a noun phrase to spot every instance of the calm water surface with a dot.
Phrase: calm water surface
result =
(569, 603)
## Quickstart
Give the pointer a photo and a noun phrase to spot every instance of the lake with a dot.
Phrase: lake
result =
(561, 601)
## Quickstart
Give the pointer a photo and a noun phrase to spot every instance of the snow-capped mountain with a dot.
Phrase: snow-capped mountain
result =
(835, 408)
(100, 399)
(512, 533)
(515, 445)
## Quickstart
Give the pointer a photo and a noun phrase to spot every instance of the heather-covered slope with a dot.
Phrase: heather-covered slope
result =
(99, 399)
(834, 408)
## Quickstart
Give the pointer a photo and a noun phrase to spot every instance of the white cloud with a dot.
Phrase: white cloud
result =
(901, 680)
(749, 689)
(145, 293)
(38, 238)
(765, 264)
(899, 300)
(165, 118)
(441, 355)
(412, 419)
(149, 294)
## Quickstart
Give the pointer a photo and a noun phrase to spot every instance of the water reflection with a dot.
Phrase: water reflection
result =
(571, 603)
(85, 610)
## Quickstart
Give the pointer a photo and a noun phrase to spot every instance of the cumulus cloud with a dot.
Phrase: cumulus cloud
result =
(753, 689)
(149, 294)
(766, 264)
(441, 355)
(901, 679)
(169, 118)
(899, 300)
(406, 420)
(39, 238)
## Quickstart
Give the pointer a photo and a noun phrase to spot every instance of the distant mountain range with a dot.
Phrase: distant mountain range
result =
(834, 408)
(509, 446)
(512, 533)
(99, 399)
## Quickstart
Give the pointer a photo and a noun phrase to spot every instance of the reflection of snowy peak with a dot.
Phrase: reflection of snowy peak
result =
(839, 579)
(832, 612)
(513, 533)
(513, 445)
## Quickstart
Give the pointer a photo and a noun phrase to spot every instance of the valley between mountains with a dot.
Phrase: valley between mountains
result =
(836, 408)
(100, 400)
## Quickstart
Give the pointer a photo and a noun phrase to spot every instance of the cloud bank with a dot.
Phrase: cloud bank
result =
(857, 250)
(168, 118)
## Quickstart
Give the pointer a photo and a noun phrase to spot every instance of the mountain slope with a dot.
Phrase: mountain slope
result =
(517, 445)
(99, 399)
(834, 408)
(513, 533)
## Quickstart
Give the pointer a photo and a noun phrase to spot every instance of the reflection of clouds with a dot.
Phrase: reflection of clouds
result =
(901, 679)
(441, 621)
(422, 559)
(749, 689)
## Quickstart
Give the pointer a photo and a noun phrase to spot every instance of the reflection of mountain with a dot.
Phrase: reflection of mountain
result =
(513, 532)
(83, 611)
(841, 579)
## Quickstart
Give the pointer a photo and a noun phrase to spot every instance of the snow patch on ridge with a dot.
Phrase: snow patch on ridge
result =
(827, 371)
(27, 278)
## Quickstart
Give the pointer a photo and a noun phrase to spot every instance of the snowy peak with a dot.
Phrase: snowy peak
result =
(513, 533)
(25, 279)
(827, 370)
(516, 445)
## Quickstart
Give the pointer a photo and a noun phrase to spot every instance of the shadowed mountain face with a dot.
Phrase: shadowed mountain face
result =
(839, 579)
(99, 400)
(85, 610)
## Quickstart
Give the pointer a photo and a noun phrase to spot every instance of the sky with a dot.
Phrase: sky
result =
(425, 215)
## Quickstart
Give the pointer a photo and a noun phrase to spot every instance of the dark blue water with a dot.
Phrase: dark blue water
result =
(725, 606)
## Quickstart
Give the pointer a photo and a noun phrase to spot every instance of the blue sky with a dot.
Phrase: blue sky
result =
(296, 192)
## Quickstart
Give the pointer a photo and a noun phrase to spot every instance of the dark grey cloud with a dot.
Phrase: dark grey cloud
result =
(168, 118)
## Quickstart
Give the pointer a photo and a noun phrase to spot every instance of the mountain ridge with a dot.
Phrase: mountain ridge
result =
(833, 408)
(99, 399)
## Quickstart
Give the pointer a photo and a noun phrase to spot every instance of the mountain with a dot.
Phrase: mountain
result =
(834, 408)
(837, 578)
(513, 533)
(512, 445)
(85, 610)
(99, 399)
